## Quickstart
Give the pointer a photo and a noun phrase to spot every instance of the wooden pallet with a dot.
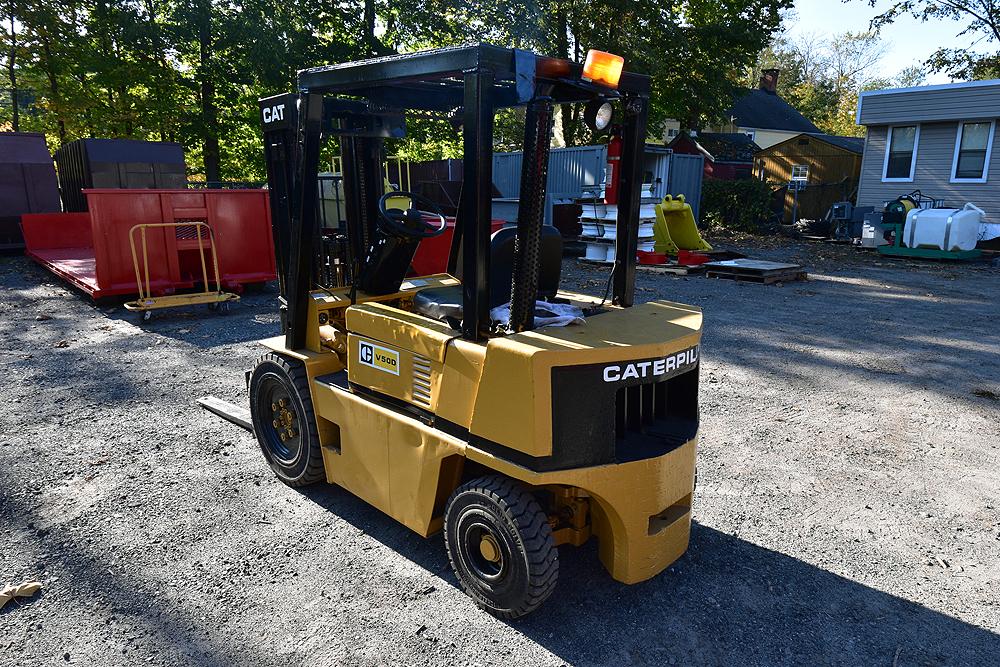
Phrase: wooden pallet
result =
(764, 280)
(756, 271)
(675, 269)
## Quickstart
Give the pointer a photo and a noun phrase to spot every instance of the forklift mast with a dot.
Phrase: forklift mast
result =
(470, 83)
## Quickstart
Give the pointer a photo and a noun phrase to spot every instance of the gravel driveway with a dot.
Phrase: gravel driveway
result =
(847, 512)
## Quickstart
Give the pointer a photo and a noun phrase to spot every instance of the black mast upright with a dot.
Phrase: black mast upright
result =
(476, 206)
(303, 219)
(629, 195)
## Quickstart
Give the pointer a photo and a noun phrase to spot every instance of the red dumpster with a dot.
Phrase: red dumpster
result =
(93, 250)
(432, 254)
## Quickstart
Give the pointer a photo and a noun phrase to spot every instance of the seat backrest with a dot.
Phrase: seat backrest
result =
(502, 263)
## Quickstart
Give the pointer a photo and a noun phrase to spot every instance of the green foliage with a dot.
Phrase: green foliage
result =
(742, 205)
(823, 77)
(192, 71)
(978, 23)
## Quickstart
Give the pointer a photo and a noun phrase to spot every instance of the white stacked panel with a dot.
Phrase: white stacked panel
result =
(599, 222)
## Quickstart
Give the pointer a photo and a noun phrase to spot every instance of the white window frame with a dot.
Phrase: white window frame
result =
(958, 146)
(800, 166)
(913, 158)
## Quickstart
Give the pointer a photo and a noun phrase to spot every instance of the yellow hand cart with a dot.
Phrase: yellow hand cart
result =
(147, 303)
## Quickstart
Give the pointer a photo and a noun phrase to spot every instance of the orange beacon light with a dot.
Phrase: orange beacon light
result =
(603, 68)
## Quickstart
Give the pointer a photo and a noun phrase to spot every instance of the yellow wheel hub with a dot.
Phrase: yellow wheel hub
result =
(489, 548)
(284, 420)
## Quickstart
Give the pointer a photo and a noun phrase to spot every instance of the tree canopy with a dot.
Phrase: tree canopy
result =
(822, 77)
(977, 21)
(192, 70)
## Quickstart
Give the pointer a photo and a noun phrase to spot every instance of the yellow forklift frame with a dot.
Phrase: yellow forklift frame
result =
(512, 439)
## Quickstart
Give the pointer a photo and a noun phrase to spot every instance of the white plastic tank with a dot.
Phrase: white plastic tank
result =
(943, 228)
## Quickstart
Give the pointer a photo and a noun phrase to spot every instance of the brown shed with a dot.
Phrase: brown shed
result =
(828, 167)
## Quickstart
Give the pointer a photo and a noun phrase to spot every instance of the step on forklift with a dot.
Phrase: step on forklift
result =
(511, 439)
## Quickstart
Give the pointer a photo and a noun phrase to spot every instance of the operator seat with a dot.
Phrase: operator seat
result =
(445, 303)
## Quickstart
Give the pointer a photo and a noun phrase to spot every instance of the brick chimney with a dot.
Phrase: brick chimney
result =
(769, 80)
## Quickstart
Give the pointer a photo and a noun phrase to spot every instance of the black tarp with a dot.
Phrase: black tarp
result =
(117, 163)
(27, 183)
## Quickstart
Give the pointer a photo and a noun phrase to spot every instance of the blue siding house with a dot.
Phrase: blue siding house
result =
(936, 139)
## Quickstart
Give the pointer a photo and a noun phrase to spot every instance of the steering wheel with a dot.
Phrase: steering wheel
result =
(410, 223)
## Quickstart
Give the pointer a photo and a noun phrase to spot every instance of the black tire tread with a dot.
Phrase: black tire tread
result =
(314, 471)
(536, 535)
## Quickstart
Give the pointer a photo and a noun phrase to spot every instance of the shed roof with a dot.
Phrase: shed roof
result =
(763, 109)
(852, 144)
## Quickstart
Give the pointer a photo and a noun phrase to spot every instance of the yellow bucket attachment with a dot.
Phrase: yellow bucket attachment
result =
(661, 235)
(675, 227)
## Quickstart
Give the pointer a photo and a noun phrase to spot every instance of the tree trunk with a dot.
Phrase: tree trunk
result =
(50, 73)
(373, 45)
(562, 51)
(209, 111)
(12, 73)
(369, 23)
(108, 47)
(163, 81)
(88, 116)
(123, 99)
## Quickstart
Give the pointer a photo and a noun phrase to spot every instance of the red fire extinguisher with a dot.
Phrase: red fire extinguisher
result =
(614, 168)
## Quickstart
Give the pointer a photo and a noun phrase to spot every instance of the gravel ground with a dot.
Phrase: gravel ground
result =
(846, 513)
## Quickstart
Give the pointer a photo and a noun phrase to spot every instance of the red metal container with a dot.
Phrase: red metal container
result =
(92, 250)
(691, 257)
(650, 257)
(432, 254)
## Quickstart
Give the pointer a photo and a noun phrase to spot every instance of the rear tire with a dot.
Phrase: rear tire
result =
(500, 546)
(284, 421)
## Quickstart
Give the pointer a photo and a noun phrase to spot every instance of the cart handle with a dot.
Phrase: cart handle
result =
(145, 293)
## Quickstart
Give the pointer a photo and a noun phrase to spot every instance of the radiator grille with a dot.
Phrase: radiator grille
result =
(664, 412)
(637, 408)
(595, 422)
(421, 381)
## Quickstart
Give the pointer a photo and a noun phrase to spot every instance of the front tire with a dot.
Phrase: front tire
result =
(500, 546)
(284, 421)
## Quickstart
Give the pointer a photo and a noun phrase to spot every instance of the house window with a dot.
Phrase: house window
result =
(800, 172)
(901, 153)
(973, 145)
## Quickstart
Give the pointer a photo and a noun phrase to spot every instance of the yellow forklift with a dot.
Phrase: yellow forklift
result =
(513, 439)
